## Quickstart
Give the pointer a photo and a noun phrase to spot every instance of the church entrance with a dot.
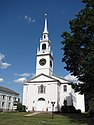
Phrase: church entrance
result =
(41, 104)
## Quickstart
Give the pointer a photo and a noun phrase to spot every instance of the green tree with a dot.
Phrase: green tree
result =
(78, 46)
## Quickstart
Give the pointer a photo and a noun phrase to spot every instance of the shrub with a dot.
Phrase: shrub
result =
(71, 109)
(20, 107)
(64, 109)
(91, 112)
(68, 109)
(78, 111)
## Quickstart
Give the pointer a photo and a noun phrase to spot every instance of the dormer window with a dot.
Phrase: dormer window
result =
(43, 46)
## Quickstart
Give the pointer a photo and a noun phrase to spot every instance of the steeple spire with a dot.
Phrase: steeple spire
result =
(44, 63)
(45, 25)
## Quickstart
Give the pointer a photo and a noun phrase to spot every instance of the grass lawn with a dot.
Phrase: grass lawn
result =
(9, 118)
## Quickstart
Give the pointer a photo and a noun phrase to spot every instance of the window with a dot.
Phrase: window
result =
(50, 63)
(41, 89)
(3, 103)
(9, 104)
(44, 46)
(3, 97)
(41, 99)
(9, 98)
(15, 99)
(44, 36)
(65, 88)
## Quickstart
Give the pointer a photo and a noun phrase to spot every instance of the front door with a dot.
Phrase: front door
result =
(41, 104)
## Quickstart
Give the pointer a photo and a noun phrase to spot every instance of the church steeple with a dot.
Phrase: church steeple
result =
(45, 32)
(44, 63)
(45, 26)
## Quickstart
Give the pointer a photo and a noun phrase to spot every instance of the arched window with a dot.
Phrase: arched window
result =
(41, 99)
(44, 36)
(44, 46)
(41, 89)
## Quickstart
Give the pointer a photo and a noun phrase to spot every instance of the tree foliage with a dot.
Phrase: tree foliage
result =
(20, 107)
(78, 46)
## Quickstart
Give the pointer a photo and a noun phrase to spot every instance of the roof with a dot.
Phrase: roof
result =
(8, 90)
(61, 79)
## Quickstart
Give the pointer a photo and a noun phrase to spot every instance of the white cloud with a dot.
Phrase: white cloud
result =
(71, 78)
(26, 16)
(33, 20)
(33, 75)
(22, 75)
(1, 80)
(3, 65)
(1, 56)
(29, 19)
(20, 80)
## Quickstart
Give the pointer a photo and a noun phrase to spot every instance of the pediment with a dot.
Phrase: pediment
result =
(42, 78)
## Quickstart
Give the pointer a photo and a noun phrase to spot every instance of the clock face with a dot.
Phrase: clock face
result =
(42, 62)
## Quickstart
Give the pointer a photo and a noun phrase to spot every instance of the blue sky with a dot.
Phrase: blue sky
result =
(21, 26)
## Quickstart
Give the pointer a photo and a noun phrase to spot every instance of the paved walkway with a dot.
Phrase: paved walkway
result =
(32, 114)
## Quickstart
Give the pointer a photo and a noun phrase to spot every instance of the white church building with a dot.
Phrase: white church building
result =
(46, 88)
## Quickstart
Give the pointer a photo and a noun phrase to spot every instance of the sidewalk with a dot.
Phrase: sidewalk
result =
(32, 114)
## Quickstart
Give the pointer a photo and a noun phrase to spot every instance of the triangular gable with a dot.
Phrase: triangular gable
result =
(42, 78)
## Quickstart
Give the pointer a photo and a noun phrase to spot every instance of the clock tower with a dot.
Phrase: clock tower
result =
(44, 57)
